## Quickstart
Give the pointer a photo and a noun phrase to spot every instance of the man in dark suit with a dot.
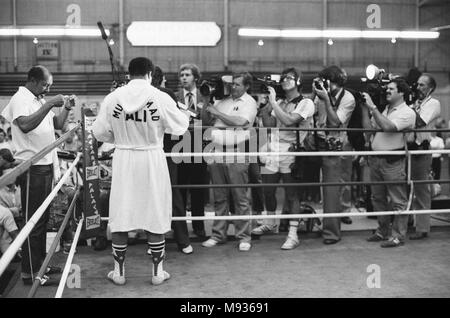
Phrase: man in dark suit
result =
(180, 230)
(193, 170)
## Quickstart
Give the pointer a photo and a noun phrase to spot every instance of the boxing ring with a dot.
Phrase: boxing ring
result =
(25, 231)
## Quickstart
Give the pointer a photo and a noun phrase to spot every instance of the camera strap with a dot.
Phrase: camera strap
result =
(296, 101)
(338, 102)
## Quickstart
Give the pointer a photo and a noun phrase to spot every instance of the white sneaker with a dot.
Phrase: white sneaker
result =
(265, 229)
(158, 280)
(118, 280)
(187, 250)
(244, 246)
(290, 243)
(210, 243)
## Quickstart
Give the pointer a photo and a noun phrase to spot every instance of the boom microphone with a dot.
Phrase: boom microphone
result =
(102, 30)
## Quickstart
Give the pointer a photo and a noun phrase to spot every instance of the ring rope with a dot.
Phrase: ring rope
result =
(62, 282)
(54, 245)
(26, 230)
(301, 184)
(308, 153)
(301, 216)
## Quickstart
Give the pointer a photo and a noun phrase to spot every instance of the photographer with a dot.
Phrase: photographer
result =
(396, 117)
(427, 110)
(236, 111)
(33, 128)
(292, 111)
(334, 107)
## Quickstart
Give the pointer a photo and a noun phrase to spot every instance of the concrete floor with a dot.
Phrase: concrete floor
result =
(417, 269)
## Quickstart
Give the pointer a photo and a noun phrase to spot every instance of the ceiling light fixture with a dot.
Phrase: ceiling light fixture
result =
(336, 33)
(51, 31)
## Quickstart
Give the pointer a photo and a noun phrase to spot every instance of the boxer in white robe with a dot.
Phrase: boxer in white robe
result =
(135, 117)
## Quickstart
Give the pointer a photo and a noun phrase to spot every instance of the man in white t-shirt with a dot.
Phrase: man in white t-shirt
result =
(33, 128)
(293, 110)
(395, 118)
(236, 111)
(427, 110)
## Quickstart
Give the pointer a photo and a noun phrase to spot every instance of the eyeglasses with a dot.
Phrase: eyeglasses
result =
(287, 77)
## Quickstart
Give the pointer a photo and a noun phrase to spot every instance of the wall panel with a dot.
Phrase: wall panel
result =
(91, 55)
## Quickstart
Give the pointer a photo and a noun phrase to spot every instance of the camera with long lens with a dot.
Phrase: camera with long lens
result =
(272, 80)
(378, 79)
(216, 87)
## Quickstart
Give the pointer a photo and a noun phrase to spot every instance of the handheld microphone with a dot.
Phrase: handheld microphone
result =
(102, 30)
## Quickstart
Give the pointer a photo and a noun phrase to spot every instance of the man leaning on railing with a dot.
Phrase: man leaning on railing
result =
(33, 128)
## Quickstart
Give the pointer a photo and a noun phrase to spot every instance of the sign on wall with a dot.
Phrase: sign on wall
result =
(47, 50)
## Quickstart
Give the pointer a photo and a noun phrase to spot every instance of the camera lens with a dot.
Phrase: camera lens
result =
(317, 85)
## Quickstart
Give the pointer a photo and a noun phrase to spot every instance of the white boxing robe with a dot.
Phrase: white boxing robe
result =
(135, 117)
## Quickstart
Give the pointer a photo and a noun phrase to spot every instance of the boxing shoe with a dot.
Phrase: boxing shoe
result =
(160, 278)
(116, 279)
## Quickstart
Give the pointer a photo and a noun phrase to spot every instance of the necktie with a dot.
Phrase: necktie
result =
(191, 105)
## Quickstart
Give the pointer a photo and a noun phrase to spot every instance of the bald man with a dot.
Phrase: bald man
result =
(33, 128)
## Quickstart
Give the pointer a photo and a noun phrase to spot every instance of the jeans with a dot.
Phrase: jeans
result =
(231, 173)
(381, 170)
(34, 248)
(420, 170)
(345, 191)
(332, 172)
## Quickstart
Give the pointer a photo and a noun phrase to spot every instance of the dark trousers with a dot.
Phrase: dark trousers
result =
(436, 167)
(103, 209)
(291, 193)
(254, 176)
(180, 230)
(33, 249)
(331, 172)
(194, 173)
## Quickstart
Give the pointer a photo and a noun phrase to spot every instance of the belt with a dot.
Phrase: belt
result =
(425, 145)
(391, 158)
